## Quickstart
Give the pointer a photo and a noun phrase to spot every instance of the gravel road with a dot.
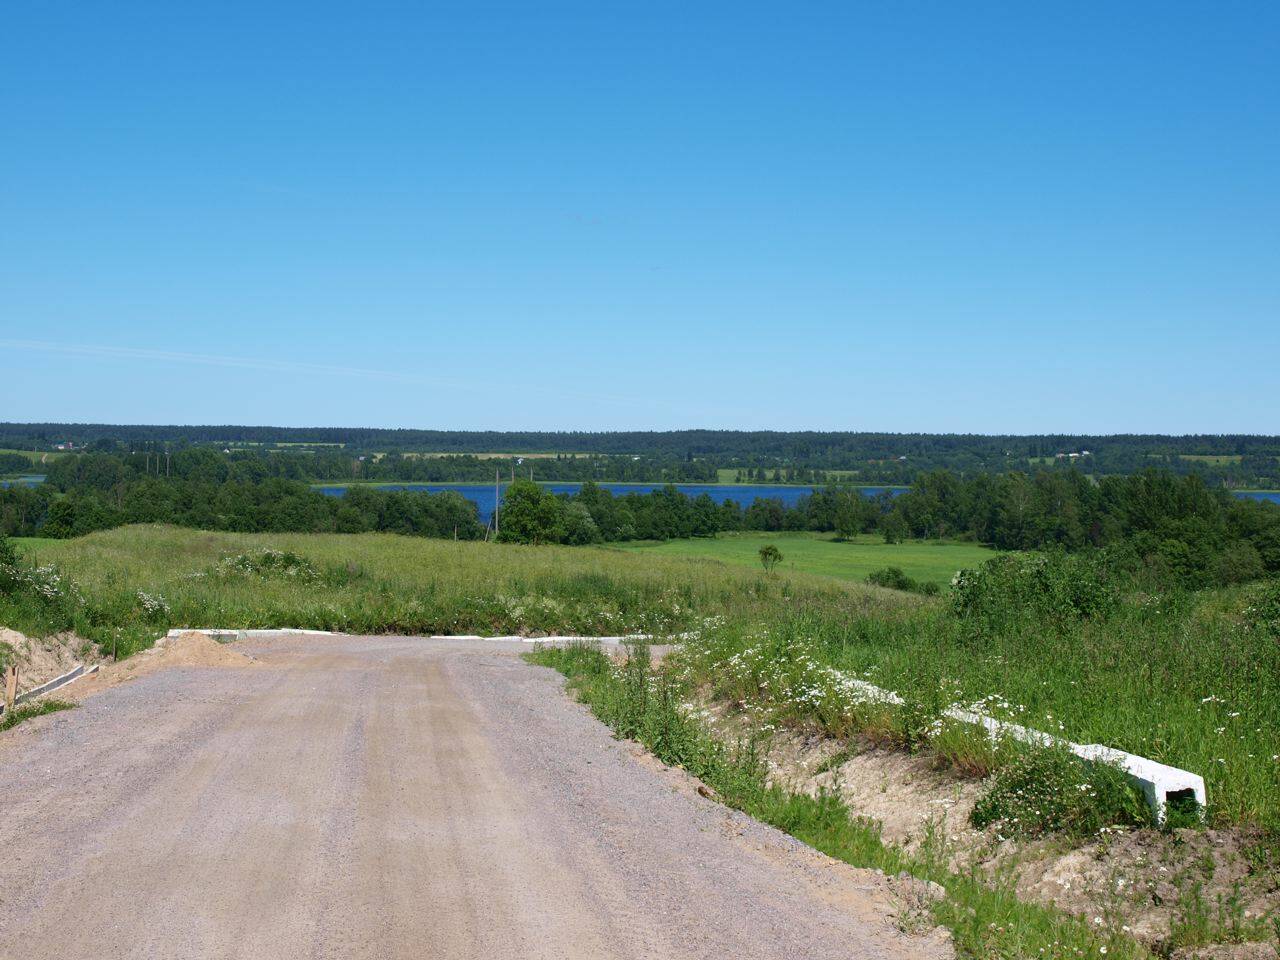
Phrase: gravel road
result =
(392, 797)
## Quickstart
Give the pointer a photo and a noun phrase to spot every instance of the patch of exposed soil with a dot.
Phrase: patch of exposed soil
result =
(1164, 888)
(40, 660)
(186, 650)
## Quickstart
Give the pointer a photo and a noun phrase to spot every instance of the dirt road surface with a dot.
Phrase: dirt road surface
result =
(391, 797)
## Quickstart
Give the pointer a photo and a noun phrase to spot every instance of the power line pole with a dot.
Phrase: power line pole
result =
(497, 496)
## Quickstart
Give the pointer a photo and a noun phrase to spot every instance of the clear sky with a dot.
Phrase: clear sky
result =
(978, 217)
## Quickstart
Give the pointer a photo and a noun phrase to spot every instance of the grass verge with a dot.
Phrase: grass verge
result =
(29, 711)
(986, 919)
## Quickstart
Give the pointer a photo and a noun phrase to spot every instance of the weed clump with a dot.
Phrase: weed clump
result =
(36, 599)
(1046, 791)
(269, 564)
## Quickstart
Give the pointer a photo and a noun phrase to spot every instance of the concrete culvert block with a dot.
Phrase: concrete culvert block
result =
(1162, 785)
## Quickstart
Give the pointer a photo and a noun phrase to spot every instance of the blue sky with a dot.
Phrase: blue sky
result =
(894, 216)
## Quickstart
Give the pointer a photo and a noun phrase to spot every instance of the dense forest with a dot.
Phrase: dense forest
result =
(1173, 527)
(334, 453)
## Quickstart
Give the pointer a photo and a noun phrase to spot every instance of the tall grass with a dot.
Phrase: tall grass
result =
(143, 579)
(1183, 679)
(1191, 680)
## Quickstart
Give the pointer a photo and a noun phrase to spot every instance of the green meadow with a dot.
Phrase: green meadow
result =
(370, 583)
(819, 553)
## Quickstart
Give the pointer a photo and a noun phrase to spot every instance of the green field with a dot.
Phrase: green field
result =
(1211, 458)
(934, 562)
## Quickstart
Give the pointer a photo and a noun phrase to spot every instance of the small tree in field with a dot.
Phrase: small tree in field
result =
(770, 557)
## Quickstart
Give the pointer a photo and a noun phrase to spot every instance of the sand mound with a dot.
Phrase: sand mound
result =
(41, 660)
(197, 650)
(186, 650)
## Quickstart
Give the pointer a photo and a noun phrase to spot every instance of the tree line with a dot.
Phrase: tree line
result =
(1167, 527)
(1172, 526)
(266, 506)
(1233, 460)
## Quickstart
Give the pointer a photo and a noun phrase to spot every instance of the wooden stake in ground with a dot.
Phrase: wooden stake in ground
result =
(10, 686)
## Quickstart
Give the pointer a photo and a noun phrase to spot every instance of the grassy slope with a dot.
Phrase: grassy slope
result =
(820, 554)
(384, 582)
(986, 920)
(1174, 678)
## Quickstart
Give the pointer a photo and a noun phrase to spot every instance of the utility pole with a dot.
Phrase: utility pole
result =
(497, 497)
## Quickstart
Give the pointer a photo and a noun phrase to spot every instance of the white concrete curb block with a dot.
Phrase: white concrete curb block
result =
(1159, 783)
(227, 635)
(514, 638)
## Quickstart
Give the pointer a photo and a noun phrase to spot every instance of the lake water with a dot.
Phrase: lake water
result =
(744, 494)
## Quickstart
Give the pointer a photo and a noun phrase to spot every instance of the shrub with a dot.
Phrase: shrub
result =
(893, 578)
(1057, 588)
(770, 556)
(1240, 562)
